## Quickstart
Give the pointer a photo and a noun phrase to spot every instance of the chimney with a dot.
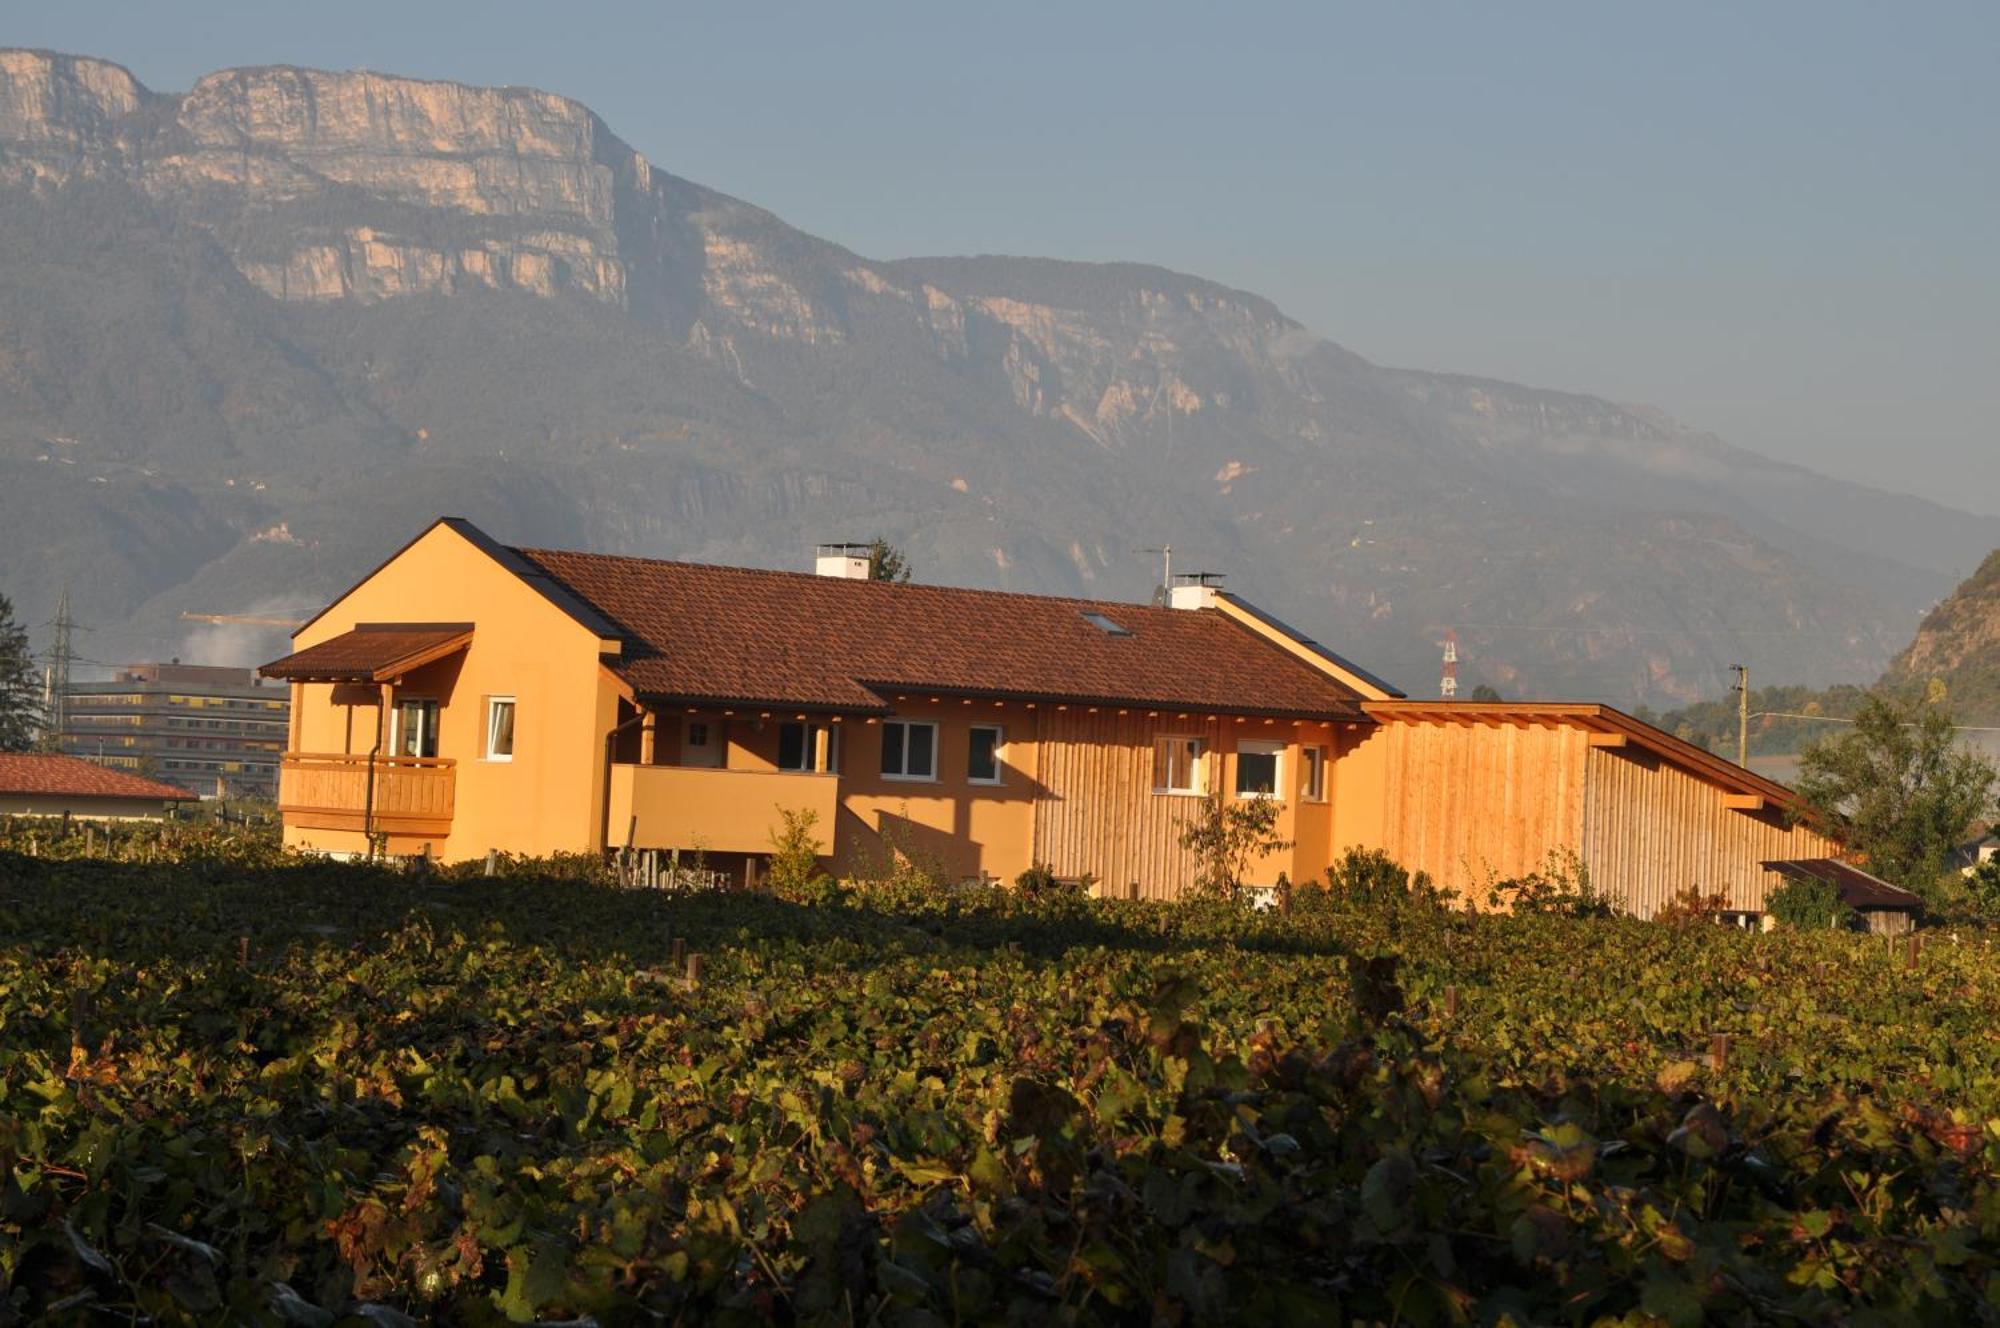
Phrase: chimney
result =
(847, 562)
(1194, 590)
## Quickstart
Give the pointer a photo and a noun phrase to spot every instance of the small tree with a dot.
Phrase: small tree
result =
(886, 562)
(1225, 837)
(1897, 790)
(1486, 692)
(20, 707)
(794, 872)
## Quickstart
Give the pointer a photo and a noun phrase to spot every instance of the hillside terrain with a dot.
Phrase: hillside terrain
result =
(1958, 645)
(254, 335)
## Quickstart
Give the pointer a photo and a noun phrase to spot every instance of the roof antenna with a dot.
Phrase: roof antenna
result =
(1161, 591)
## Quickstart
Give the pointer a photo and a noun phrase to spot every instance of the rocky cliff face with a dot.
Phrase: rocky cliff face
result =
(1958, 645)
(335, 304)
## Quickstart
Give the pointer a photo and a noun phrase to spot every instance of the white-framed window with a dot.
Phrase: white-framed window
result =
(798, 745)
(1260, 769)
(1312, 774)
(499, 728)
(1177, 764)
(982, 755)
(909, 749)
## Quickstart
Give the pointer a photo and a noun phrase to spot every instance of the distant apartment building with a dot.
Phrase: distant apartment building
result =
(215, 731)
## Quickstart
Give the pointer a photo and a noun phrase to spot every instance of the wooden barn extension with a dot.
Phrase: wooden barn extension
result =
(1473, 792)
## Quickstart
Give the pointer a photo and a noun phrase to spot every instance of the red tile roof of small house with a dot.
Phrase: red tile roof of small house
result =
(46, 774)
(732, 635)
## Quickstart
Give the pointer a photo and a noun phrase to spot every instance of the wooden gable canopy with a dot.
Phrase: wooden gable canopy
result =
(372, 652)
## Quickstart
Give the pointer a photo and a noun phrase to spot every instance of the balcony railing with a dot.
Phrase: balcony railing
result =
(400, 795)
(723, 811)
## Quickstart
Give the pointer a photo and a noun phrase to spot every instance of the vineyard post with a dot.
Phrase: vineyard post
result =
(1451, 1001)
(678, 951)
(693, 972)
(492, 861)
(1718, 1050)
(243, 952)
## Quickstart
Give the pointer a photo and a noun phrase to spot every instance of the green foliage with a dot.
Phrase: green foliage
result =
(886, 562)
(1975, 896)
(1898, 790)
(1225, 837)
(20, 699)
(279, 1091)
(1040, 885)
(1810, 905)
(1370, 878)
(1562, 886)
(794, 872)
(1486, 692)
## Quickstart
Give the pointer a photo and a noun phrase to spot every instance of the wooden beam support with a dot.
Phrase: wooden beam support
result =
(1611, 740)
(1745, 802)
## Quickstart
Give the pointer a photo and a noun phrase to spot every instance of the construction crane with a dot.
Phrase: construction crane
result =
(245, 620)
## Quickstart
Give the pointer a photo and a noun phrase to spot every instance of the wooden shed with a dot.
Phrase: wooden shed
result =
(1885, 909)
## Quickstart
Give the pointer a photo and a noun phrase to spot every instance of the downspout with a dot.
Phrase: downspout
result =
(368, 807)
(610, 744)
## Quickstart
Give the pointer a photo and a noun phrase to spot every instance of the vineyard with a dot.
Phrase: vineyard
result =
(238, 1088)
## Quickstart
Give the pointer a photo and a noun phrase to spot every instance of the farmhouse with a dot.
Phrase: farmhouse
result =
(467, 696)
(48, 784)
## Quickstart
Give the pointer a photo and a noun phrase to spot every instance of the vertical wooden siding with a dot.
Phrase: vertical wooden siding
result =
(1098, 814)
(1652, 830)
(1469, 802)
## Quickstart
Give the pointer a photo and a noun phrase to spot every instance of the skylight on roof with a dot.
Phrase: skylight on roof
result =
(1105, 625)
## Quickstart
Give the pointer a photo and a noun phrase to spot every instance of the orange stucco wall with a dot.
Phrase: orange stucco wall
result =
(549, 797)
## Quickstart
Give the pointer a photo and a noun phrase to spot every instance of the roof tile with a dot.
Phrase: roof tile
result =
(51, 775)
(729, 634)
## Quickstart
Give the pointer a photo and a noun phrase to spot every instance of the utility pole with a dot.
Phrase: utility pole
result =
(1742, 714)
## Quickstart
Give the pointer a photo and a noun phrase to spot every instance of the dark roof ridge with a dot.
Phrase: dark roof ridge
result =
(536, 555)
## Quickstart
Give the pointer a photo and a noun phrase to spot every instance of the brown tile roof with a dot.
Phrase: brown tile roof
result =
(372, 652)
(1857, 887)
(51, 775)
(729, 634)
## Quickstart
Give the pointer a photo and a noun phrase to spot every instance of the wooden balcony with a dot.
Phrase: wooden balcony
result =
(720, 811)
(411, 795)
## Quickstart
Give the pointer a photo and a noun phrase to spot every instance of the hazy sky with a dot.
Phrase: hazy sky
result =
(1780, 222)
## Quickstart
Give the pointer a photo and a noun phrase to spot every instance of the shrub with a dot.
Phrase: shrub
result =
(1809, 905)
(1561, 887)
(1372, 877)
(1040, 885)
(1691, 905)
(794, 873)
